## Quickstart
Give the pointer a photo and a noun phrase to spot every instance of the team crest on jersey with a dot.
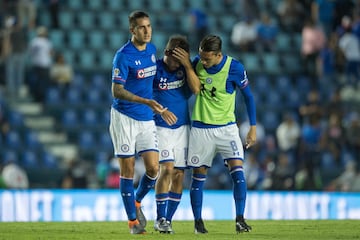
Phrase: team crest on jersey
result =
(208, 80)
(195, 160)
(125, 148)
(116, 72)
(153, 58)
(180, 74)
(164, 153)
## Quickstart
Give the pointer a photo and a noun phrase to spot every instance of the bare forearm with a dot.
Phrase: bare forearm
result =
(119, 92)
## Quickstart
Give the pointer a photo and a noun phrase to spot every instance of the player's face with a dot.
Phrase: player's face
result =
(209, 59)
(142, 32)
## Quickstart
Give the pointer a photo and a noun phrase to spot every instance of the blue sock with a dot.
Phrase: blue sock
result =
(127, 194)
(239, 189)
(161, 204)
(173, 203)
(196, 194)
(145, 185)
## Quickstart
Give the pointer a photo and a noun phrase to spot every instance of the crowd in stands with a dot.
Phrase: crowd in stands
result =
(302, 58)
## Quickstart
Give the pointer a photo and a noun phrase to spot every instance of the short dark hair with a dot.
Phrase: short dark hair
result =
(211, 43)
(136, 15)
(178, 41)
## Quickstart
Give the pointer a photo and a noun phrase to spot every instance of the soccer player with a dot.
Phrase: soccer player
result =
(171, 91)
(132, 127)
(214, 128)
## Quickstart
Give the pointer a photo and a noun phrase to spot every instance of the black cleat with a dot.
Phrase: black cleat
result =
(199, 227)
(241, 226)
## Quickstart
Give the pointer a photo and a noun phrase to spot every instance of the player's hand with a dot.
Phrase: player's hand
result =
(182, 56)
(169, 117)
(251, 137)
(155, 106)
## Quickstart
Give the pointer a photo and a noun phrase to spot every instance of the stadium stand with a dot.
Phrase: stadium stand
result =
(91, 31)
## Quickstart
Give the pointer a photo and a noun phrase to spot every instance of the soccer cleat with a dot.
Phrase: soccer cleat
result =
(241, 226)
(136, 228)
(199, 227)
(140, 215)
(163, 226)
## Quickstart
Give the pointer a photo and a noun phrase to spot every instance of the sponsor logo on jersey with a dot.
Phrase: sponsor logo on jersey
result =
(171, 85)
(146, 72)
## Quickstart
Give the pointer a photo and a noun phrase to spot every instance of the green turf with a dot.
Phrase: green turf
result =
(305, 229)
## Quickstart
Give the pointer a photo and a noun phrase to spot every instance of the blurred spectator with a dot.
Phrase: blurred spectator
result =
(323, 14)
(311, 146)
(248, 8)
(350, 46)
(244, 35)
(61, 72)
(326, 61)
(283, 174)
(313, 40)
(14, 176)
(344, 182)
(312, 107)
(54, 8)
(334, 137)
(266, 33)
(352, 136)
(287, 135)
(40, 53)
(291, 15)
(199, 27)
(27, 13)
(4, 124)
(76, 175)
(253, 172)
(14, 54)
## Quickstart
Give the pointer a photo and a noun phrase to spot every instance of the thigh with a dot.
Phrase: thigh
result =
(229, 144)
(201, 147)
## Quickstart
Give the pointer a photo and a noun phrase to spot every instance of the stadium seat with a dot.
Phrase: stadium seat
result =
(87, 141)
(261, 84)
(282, 42)
(73, 96)
(16, 119)
(135, 5)
(75, 5)
(283, 84)
(9, 155)
(251, 62)
(271, 63)
(86, 20)
(291, 63)
(87, 60)
(226, 22)
(29, 159)
(57, 37)
(159, 40)
(116, 40)
(107, 20)
(105, 60)
(32, 140)
(105, 141)
(13, 140)
(96, 4)
(97, 40)
(70, 119)
(158, 6)
(270, 120)
(216, 7)
(196, 4)
(176, 6)
(115, 5)
(67, 19)
(53, 96)
(49, 161)
(89, 117)
(77, 39)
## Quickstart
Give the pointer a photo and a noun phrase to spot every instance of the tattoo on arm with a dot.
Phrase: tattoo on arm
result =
(118, 91)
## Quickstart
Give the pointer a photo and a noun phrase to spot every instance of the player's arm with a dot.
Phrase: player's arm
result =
(251, 110)
(184, 58)
(118, 91)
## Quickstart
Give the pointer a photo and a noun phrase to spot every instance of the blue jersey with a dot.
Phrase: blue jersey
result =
(135, 70)
(171, 91)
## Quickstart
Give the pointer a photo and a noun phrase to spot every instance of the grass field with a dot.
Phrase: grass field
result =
(305, 229)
